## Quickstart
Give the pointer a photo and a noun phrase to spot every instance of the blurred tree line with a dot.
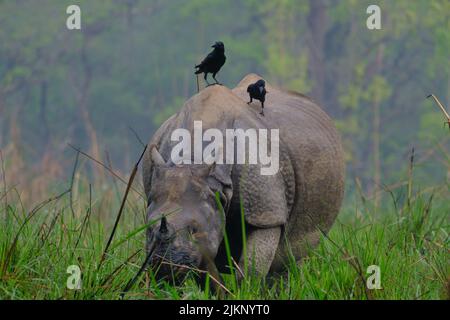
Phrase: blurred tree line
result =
(131, 66)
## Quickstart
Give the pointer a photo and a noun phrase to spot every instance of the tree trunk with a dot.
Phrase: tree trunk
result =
(376, 124)
(43, 116)
(317, 21)
(82, 103)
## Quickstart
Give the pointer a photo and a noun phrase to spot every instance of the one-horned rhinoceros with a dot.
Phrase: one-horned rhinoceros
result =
(284, 213)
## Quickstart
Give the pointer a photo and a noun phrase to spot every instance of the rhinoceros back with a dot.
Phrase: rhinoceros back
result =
(316, 155)
(314, 170)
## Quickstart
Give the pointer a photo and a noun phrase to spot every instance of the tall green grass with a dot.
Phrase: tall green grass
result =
(406, 237)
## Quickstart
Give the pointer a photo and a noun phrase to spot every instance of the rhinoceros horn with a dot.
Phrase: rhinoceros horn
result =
(157, 157)
(164, 234)
(163, 228)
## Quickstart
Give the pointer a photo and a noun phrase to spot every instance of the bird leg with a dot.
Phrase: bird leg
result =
(214, 77)
(206, 79)
(251, 100)
(262, 106)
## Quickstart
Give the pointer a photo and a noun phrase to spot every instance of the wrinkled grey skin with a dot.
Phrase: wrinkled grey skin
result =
(284, 213)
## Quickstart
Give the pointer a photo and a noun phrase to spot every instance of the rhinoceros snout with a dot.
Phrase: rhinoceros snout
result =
(173, 254)
(173, 263)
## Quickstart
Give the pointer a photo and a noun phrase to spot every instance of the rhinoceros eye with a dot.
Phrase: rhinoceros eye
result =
(193, 229)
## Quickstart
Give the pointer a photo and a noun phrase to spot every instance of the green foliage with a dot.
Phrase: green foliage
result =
(140, 56)
(408, 240)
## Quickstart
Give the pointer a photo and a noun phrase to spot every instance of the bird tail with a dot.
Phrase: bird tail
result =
(199, 70)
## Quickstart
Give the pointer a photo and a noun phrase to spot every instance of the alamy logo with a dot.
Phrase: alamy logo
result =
(74, 280)
(73, 22)
(374, 280)
(374, 20)
(251, 146)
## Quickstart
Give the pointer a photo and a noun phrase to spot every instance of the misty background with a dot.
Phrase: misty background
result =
(132, 66)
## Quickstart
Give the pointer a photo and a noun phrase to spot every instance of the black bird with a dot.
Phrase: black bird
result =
(213, 62)
(257, 91)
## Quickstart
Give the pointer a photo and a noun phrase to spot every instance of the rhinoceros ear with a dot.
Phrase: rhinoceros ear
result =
(221, 173)
(156, 157)
(219, 180)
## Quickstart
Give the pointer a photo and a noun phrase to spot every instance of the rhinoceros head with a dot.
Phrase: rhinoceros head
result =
(189, 222)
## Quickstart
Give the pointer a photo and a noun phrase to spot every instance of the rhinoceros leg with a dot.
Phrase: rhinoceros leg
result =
(262, 245)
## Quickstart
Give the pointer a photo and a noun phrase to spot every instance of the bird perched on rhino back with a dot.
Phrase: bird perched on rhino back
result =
(257, 91)
(213, 62)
